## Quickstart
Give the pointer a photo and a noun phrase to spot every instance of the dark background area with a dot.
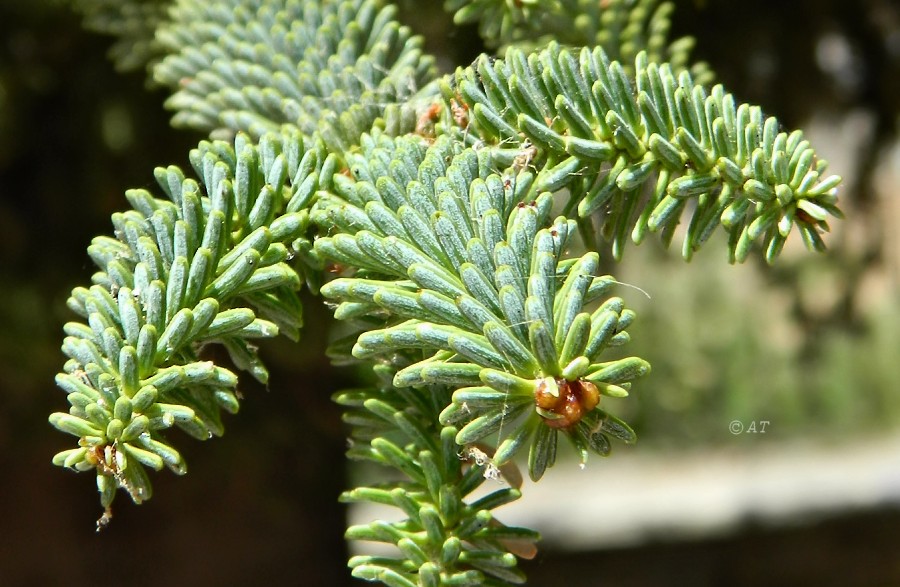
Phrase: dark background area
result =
(259, 504)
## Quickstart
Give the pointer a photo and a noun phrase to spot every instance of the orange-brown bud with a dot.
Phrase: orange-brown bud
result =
(575, 399)
(590, 395)
(544, 398)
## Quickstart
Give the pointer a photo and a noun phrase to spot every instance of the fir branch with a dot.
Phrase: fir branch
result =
(639, 153)
(622, 28)
(208, 265)
(455, 271)
(446, 536)
(501, 22)
(474, 275)
(332, 66)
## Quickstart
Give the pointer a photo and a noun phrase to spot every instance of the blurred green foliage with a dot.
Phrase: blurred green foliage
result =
(735, 350)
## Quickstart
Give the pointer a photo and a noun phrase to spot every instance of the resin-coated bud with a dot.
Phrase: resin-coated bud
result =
(564, 403)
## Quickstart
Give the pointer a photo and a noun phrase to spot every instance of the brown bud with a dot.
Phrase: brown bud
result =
(575, 399)
(590, 395)
(544, 398)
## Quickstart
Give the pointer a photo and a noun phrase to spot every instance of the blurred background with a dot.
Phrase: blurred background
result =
(769, 429)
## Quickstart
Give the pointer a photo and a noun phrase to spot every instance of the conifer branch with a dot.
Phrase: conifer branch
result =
(641, 152)
(488, 336)
(209, 265)
(331, 67)
(467, 269)
(446, 536)
(622, 28)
